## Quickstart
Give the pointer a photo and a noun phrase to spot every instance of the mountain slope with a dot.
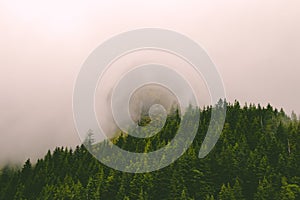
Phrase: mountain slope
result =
(256, 157)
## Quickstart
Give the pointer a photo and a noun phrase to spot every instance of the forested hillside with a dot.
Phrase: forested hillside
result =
(256, 157)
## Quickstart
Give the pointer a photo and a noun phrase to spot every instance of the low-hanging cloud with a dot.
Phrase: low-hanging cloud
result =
(254, 44)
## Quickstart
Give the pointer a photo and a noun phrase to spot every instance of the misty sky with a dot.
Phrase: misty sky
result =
(255, 45)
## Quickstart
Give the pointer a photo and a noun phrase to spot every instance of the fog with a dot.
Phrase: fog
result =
(255, 46)
(172, 72)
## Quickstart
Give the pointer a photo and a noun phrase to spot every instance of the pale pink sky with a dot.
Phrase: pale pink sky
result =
(255, 45)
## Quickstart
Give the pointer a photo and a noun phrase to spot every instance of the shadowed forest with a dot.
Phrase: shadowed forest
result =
(257, 157)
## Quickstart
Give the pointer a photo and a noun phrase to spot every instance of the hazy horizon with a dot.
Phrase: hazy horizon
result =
(255, 46)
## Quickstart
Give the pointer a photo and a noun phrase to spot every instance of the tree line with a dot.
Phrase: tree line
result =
(257, 157)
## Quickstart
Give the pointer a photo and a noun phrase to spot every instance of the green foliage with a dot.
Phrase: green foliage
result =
(256, 157)
(264, 190)
(226, 193)
(289, 191)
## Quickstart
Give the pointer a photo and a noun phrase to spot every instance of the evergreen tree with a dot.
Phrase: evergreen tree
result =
(258, 145)
(226, 193)
(264, 190)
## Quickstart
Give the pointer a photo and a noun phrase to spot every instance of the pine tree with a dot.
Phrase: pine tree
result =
(226, 193)
(289, 191)
(259, 145)
(237, 190)
(93, 189)
(264, 190)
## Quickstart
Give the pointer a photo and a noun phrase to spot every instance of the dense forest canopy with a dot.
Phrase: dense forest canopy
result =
(256, 157)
